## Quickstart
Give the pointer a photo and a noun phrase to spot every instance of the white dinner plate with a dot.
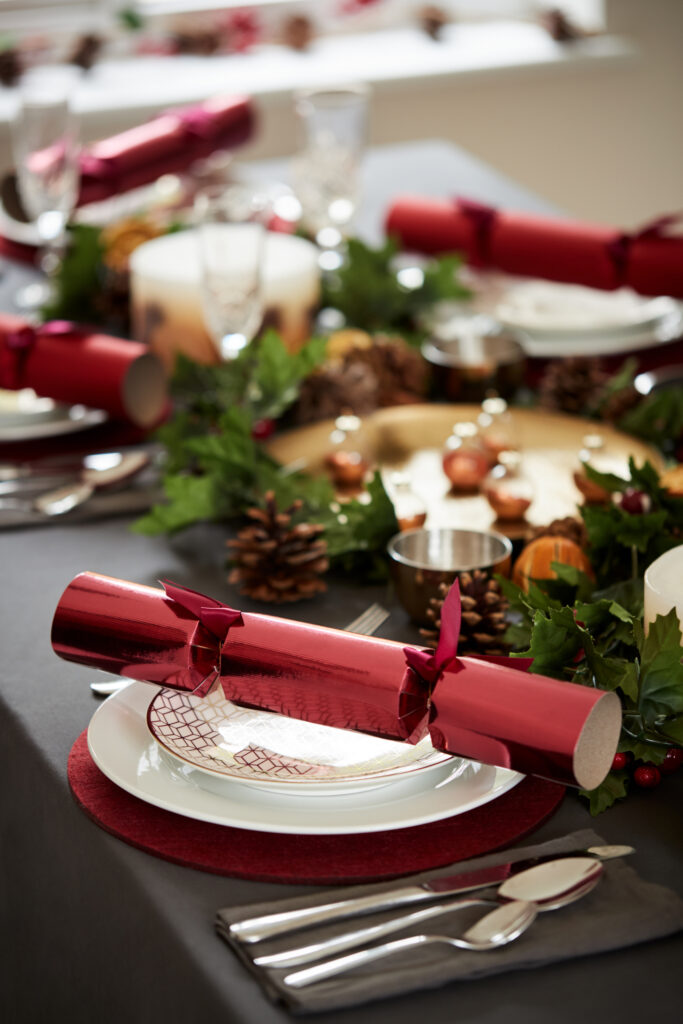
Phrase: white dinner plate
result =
(282, 754)
(540, 346)
(123, 749)
(24, 416)
(551, 308)
(553, 319)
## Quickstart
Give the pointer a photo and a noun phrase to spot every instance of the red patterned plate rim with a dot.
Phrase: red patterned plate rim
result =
(273, 752)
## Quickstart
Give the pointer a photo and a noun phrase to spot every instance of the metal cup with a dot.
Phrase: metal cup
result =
(421, 560)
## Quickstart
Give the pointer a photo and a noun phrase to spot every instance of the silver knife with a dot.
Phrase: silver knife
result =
(256, 929)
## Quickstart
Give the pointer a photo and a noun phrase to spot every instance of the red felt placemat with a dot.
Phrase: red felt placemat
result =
(318, 860)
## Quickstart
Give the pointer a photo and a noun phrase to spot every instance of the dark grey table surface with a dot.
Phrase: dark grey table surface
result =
(94, 930)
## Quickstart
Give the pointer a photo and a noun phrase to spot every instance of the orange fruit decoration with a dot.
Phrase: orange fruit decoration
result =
(534, 563)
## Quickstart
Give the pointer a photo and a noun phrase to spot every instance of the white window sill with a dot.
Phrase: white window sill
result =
(401, 58)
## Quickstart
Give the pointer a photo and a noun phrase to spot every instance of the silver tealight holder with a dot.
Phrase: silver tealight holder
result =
(421, 560)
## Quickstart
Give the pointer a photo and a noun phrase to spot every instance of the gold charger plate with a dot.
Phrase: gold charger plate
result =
(412, 437)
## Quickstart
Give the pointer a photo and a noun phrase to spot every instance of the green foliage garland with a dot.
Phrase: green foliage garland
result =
(216, 468)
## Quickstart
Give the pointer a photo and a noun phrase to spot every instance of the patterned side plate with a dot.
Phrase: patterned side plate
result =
(277, 753)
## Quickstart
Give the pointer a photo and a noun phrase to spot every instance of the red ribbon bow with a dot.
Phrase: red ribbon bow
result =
(482, 218)
(197, 122)
(620, 247)
(430, 665)
(217, 618)
(16, 346)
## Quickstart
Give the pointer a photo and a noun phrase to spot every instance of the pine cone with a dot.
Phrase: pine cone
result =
(334, 389)
(298, 32)
(570, 528)
(559, 26)
(275, 561)
(86, 50)
(10, 66)
(572, 385)
(618, 404)
(204, 43)
(400, 370)
(482, 624)
(432, 20)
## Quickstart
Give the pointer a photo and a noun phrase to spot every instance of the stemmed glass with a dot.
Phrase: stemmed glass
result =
(326, 170)
(231, 229)
(45, 150)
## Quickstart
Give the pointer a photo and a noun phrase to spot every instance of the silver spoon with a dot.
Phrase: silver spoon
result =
(546, 889)
(502, 925)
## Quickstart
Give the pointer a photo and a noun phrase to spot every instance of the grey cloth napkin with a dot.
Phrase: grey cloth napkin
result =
(622, 910)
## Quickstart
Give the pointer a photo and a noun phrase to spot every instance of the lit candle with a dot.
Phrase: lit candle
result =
(664, 586)
(166, 307)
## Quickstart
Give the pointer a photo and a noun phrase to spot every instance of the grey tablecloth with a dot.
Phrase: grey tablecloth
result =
(96, 931)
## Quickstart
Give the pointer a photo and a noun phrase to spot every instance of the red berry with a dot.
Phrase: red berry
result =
(620, 761)
(262, 429)
(647, 776)
(635, 502)
(672, 761)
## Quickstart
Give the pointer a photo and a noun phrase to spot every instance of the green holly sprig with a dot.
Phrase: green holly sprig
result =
(621, 541)
(584, 635)
(216, 467)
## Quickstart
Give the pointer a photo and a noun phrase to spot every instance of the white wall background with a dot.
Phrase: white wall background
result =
(603, 140)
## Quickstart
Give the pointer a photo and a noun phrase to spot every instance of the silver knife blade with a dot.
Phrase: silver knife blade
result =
(269, 925)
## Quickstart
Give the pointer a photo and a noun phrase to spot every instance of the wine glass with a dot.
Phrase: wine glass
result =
(231, 229)
(326, 171)
(45, 150)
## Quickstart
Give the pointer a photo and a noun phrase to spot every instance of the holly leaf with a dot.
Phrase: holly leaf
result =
(673, 729)
(658, 418)
(77, 281)
(555, 641)
(608, 481)
(643, 751)
(367, 291)
(645, 477)
(514, 594)
(190, 498)
(613, 788)
(570, 584)
(661, 670)
(359, 525)
(277, 374)
(607, 619)
(264, 379)
(130, 18)
(627, 593)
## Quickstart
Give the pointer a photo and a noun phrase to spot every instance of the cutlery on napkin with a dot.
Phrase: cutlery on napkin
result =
(623, 910)
(441, 887)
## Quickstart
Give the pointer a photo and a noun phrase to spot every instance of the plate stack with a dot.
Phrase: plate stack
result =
(207, 759)
(559, 320)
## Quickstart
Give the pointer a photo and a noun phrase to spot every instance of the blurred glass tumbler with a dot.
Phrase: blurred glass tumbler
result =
(421, 560)
(326, 170)
(468, 368)
(231, 224)
(45, 151)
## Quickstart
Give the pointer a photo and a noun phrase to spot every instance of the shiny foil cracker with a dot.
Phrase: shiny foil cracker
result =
(489, 710)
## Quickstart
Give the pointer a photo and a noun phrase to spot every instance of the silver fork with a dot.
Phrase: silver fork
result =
(365, 624)
(369, 622)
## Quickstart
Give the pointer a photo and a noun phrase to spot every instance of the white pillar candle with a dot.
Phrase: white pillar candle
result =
(166, 308)
(664, 586)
